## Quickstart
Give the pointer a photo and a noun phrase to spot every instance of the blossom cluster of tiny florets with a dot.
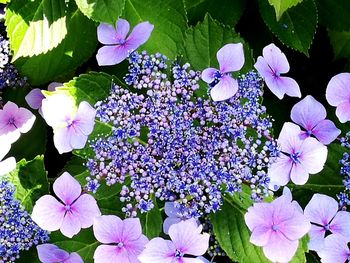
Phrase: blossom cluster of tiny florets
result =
(343, 197)
(179, 147)
(18, 232)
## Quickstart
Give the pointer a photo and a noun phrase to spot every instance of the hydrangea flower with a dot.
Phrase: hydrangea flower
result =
(335, 250)
(49, 253)
(118, 45)
(323, 213)
(277, 227)
(70, 213)
(338, 95)
(298, 158)
(270, 66)
(186, 239)
(223, 86)
(15, 120)
(71, 126)
(174, 216)
(122, 240)
(311, 115)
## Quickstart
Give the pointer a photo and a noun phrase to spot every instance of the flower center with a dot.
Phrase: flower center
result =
(11, 121)
(275, 227)
(120, 245)
(327, 227)
(178, 254)
(121, 41)
(295, 157)
(217, 76)
(67, 207)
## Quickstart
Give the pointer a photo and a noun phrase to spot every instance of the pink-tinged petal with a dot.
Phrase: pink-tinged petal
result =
(132, 230)
(231, 57)
(260, 235)
(34, 98)
(225, 89)
(85, 118)
(192, 260)
(326, 132)
(208, 75)
(276, 59)
(71, 225)
(335, 250)
(287, 194)
(74, 258)
(308, 113)
(283, 85)
(298, 174)
(48, 213)
(343, 112)
(111, 55)
(77, 139)
(49, 253)
(108, 229)
(86, 209)
(316, 234)
(169, 221)
(24, 120)
(338, 89)
(158, 250)
(139, 35)
(279, 171)
(7, 165)
(123, 28)
(288, 138)
(258, 215)
(5, 147)
(263, 68)
(187, 238)
(53, 85)
(67, 188)
(108, 35)
(296, 226)
(110, 254)
(61, 140)
(280, 249)
(340, 224)
(321, 209)
(135, 247)
(314, 155)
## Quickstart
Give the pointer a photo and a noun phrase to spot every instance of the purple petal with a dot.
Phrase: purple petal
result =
(110, 254)
(260, 235)
(316, 234)
(298, 174)
(258, 215)
(53, 85)
(24, 120)
(135, 247)
(208, 75)
(139, 35)
(280, 248)
(335, 250)
(343, 112)
(314, 155)
(186, 237)
(193, 260)
(158, 250)
(296, 226)
(225, 89)
(326, 132)
(48, 213)
(321, 209)
(338, 89)
(308, 113)
(276, 59)
(170, 210)
(86, 209)
(263, 68)
(71, 225)
(131, 230)
(34, 98)
(108, 229)
(61, 139)
(340, 225)
(49, 253)
(7, 165)
(111, 55)
(108, 35)
(168, 222)
(74, 258)
(67, 188)
(289, 139)
(279, 171)
(85, 118)
(283, 85)
(231, 57)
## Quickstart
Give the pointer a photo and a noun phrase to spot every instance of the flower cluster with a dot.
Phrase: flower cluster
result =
(343, 197)
(177, 146)
(17, 230)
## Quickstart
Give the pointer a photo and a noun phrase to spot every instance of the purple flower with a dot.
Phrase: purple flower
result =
(71, 126)
(118, 46)
(270, 66)
(311, 115)
(70, 213)
(277, 226)
(122, 240)
(298, 157)
(338, 95)
(49, 253)
(335, 250)
(322, 211)
(14, 121)
(230, 58)
(186, 239)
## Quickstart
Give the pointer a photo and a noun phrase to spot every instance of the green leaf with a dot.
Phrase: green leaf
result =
(49, 38)
(341, 43)
(297, 26)
(168, 18)
(281, 6)
(334, 14)
(229, 15)
(107, 11)
(300, 256)
(152, 223)
(30, 179)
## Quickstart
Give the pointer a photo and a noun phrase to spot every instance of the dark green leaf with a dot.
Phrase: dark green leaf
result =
(106, 11)
(297, 26)
(334, 14)
(341, 43)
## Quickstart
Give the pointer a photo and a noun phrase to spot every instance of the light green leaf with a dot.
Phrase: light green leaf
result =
(297, 26)
(281, 6)
(168, 18)
(49, 38)
(334, 14)
(341, 43)
(30, 179)
(106, 11)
